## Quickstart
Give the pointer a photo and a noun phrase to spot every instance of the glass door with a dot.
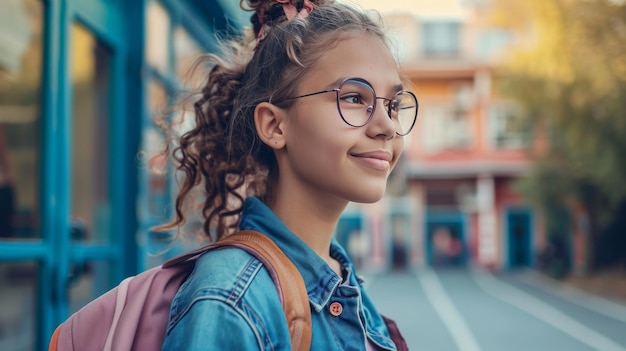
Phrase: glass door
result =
(22, 250)
(96, 200)
(65, 208)
(90, 218)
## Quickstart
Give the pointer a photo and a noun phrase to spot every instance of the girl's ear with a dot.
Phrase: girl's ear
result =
(268, 120)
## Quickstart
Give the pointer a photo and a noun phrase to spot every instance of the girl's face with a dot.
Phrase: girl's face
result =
(323, 155)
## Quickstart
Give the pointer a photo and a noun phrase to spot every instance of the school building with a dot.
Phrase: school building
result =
(79, 83)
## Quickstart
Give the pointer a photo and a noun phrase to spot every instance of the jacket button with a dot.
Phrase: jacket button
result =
(335, 309)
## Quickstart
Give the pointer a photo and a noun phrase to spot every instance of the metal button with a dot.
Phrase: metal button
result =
(335, 309)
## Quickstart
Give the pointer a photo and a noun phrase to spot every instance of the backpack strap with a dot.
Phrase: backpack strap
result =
(289, 283)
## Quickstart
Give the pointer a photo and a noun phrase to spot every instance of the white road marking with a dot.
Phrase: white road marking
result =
(449, 315)
(577, 296)
(544, 312)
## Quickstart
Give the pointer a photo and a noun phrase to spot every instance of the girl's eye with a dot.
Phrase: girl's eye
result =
(394, 105)
(353, 98)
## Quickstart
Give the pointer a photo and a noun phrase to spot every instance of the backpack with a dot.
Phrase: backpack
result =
(134, 315)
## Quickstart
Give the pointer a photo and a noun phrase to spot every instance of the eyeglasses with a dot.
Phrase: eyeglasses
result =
(356, 102)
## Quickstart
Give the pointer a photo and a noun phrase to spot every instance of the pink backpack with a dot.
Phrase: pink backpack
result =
(134, 315)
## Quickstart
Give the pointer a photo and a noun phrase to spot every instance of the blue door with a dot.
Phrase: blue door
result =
(445, 240)
(518, 224)
(64, 199)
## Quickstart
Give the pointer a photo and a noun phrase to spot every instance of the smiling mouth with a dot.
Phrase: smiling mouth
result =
(377, 161)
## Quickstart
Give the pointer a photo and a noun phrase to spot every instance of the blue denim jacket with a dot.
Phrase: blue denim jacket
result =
(229, 302)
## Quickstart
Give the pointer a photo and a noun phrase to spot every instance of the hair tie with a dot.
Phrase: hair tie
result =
(291, 12)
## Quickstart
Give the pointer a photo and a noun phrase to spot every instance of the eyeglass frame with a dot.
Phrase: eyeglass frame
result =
(373, 107)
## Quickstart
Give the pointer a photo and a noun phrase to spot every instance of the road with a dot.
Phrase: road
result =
(472, 310)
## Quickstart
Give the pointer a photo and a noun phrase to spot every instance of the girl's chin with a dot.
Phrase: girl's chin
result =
(369, 196)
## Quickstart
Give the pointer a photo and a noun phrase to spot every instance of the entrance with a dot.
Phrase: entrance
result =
(518, 223)
(446, 243)
(63, 222)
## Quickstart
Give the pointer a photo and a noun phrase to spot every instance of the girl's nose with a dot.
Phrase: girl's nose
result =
(381, 124)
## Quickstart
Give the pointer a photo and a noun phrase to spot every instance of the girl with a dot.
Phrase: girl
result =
(289, 128)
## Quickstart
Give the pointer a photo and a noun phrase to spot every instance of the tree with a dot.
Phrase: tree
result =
(569, 74)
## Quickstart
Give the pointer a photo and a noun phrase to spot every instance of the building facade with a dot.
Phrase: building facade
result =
(80, 82)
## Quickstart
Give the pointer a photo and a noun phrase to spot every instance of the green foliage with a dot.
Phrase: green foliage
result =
(570, 74)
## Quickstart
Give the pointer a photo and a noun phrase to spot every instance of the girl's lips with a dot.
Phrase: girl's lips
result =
(375, 163)
(379, 160)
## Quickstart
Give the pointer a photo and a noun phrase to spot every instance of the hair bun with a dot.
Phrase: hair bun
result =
(266, 12)
(271, 11)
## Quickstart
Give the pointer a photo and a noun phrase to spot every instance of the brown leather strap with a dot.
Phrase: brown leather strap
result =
(54, 340)
(287, 278)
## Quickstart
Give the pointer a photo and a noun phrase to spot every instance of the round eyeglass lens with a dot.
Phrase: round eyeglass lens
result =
(406, 112)
(355, 99)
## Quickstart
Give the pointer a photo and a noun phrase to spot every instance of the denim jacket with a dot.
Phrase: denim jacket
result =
(229, 302)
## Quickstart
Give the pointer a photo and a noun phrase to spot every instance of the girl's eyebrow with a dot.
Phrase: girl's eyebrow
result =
(335, 83)
(396, 88)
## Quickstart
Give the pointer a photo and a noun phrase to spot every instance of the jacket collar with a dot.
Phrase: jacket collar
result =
(320, 280)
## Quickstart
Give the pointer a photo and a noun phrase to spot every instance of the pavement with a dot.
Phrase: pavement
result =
(609, 284)
(474, 310)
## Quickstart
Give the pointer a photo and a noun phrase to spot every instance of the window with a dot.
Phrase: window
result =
(91, 85)
(444, 197)
(21, 25)
(441, 38)
(508, 130)
(186, 51)
(175, 39)
(157, 36)
(445, 128)
(18, 321)
(491, 43)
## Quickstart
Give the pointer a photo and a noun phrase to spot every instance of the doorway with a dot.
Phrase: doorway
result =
(518, 224)
(62, 199)
(446, 245)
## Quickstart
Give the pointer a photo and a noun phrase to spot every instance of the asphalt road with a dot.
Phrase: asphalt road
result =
(470, 310)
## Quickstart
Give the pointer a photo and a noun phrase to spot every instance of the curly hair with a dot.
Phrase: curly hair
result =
(222, 156)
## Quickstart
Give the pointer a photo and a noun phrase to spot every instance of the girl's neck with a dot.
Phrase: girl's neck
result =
(312, 218)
